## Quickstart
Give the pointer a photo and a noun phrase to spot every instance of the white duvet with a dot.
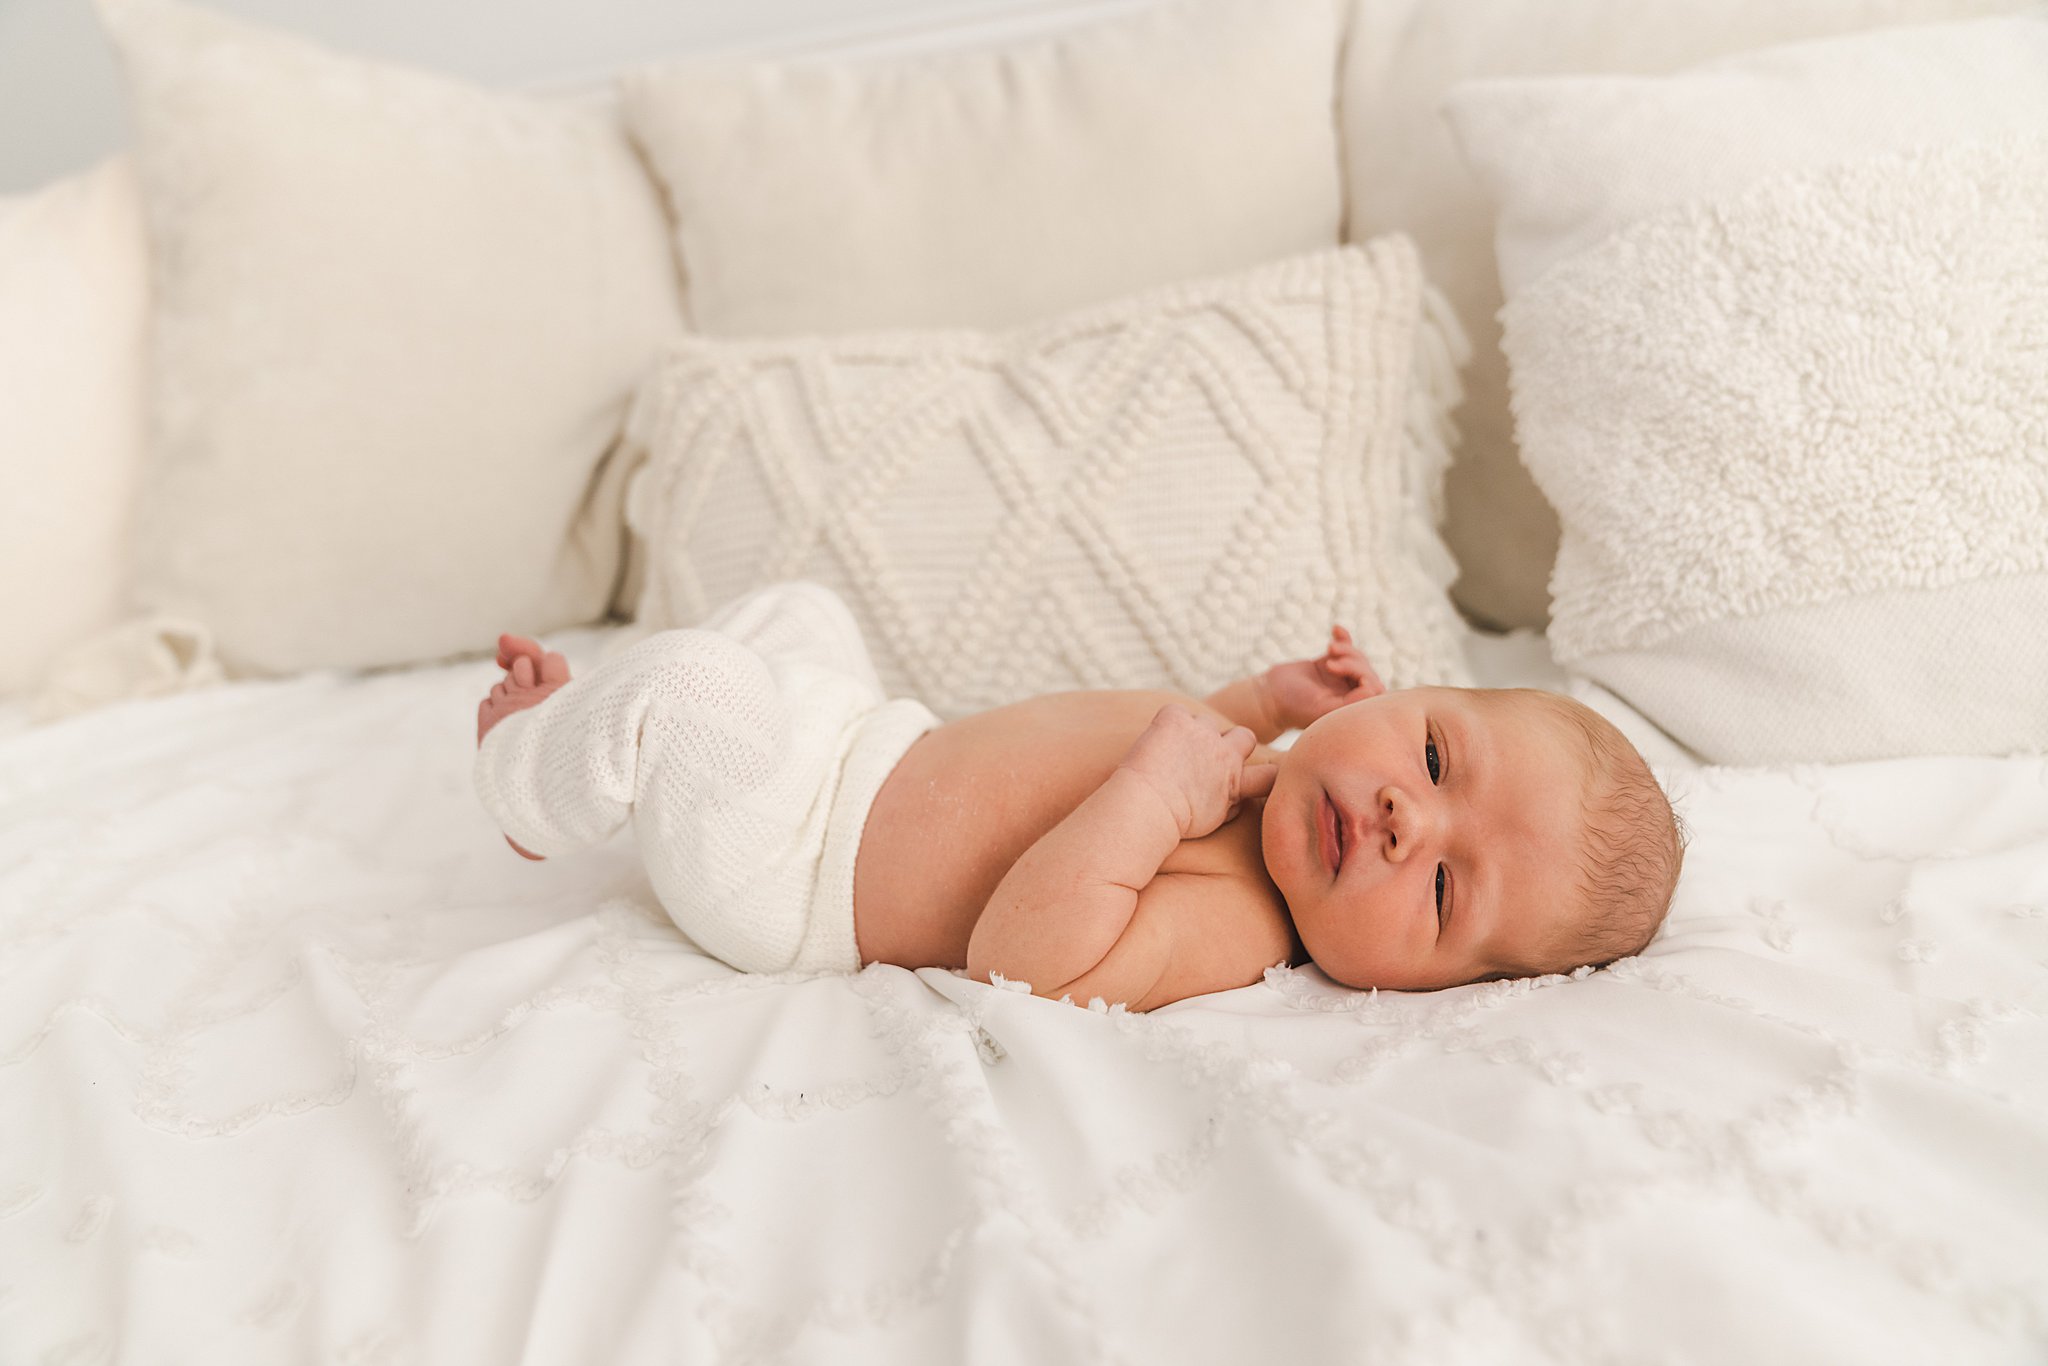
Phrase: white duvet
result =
(298, 1062)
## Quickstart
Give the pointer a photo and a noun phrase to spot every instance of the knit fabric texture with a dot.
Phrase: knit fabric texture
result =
(746, 758)
(1171, 491)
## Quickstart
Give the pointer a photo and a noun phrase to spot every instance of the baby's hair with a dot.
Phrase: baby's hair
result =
(1634, 842)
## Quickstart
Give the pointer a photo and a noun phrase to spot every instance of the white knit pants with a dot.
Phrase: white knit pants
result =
(746, 753)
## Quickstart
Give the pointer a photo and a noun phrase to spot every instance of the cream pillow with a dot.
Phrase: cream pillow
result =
(398, 318)
(1779, 337)
(992, 187)
(1403, 174)
(1167, 491)
(74, 300)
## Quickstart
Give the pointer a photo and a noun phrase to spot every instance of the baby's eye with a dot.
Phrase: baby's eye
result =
(1439, 898)
(1429, 757)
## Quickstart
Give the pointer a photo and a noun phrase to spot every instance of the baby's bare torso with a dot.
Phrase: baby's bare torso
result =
(970, 797)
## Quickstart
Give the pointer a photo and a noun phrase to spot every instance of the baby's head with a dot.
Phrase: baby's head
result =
(1436, 836)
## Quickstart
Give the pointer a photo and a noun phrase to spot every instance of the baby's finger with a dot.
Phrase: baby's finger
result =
(1257, 779)
(1361, 676)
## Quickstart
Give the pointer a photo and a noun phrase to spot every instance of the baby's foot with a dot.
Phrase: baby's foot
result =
(531, 676)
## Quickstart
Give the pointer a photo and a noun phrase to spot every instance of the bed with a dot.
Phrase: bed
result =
(301, 1063)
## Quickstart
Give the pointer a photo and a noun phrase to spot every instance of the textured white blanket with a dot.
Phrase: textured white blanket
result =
(299, 1063)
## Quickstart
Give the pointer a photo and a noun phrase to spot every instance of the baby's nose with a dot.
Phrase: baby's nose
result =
(1406, 827)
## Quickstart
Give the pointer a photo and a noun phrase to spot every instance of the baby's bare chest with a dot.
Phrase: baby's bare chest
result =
(970, 797)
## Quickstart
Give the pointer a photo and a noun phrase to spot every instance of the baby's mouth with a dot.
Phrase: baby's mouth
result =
(1330, 833)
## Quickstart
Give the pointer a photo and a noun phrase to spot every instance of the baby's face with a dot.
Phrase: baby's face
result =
(1460, 818)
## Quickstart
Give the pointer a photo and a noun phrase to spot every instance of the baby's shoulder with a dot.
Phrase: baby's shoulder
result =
(1230, 922)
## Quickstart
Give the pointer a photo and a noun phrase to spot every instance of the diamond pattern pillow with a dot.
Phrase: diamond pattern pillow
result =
(1168, 491)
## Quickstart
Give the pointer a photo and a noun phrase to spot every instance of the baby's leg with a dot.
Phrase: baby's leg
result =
(563, 775)
(746, 758)
(798, 620)
(756, 775)
(532, 675)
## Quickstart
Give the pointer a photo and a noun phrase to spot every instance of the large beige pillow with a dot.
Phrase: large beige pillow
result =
(1403, 174)
(1167, 491)
(74, 301)
(1779, 337)
(992, 187)
(398, 318)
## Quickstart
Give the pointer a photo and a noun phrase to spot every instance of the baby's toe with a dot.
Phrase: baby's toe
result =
(511, 647)
(522, 671)
(553, 669)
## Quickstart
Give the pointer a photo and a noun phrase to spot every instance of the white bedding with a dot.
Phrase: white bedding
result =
(298, 1062)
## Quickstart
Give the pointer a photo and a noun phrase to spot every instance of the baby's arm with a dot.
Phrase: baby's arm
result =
(1062, 917)
(1296, 694)
(1249, 703)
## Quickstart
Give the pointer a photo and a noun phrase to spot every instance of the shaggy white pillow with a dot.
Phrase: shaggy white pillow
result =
(398, 318)
(1403, 174)
(1779, 337)
(1168, 491)
(994, 187)
(74, 299)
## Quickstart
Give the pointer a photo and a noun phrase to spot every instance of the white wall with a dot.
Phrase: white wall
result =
(60, 95)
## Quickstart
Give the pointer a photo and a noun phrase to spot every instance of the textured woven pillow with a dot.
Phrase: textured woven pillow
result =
(1167, 491)
(1779, 337)
(1403, 174)
(997, 186)
(397, 322)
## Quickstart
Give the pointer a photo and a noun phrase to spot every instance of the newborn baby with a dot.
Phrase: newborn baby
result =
(1137, 846)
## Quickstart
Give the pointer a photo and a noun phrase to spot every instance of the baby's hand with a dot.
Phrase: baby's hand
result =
(1199, 771)
(1305, 690)
(531, 676)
